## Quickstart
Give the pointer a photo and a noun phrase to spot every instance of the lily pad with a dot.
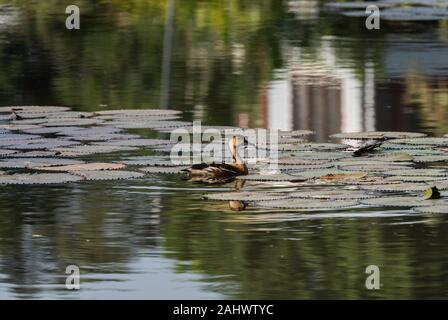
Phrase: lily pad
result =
(372, 167)
(396, 187)
(93, 166)
(429, 159)
(273, 178)
(137, 142)
(39, 178)
(376, 135)
(397, 179)
(33, 109)
(138, 112)
(36, 162)
(328, 156)
(90, 149)
(333, 194)
(246, 196)
(166, 170)
(419, 172)
(156, 161)
(108, 175)
(307, 204)
(404, 201)
(71, 122)
(439, 142)
(433, 209)
(5, 153)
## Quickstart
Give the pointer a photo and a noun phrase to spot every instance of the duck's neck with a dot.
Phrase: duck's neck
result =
(236, 156)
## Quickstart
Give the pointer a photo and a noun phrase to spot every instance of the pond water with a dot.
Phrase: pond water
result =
(270, 63)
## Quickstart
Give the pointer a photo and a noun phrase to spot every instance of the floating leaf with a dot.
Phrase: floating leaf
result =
(344, 176)
(94, 166)
(108, 175)
(36, 162)
(156, 161)
(273, 178)
(167, 170)
(88, 150)
(137, 142)
(39, 178)
(308, 204)
(246, 196)
(433, 209)
(419, 172)
(395, 179)
(398, 201)
(328, 156)
(18, 127)
(396, 187)
(333, 194)
(440, 142)
(376, 135)
(5, 153)
(138, 112)
(33, 109)
(372, 167)
(428, 159)
(71, 122)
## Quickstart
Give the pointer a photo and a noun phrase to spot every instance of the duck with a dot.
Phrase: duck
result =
(215, 173)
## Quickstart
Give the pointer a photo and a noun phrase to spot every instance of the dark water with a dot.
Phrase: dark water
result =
(236, 62)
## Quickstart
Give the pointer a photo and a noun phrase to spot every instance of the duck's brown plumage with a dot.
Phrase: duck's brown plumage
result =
(218, 172)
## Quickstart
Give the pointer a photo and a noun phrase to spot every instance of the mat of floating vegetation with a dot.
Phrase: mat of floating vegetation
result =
(396, 179)
(89, 131)
(5, 153)
(396, 187)
(90, 149)
(137, 112)
(93, 166)
(368, 180)
(166, 170)
(155, 161)
(407, 147)
(136, 142)
(42, 144)
(16, 163)
(327, 156)
(19, 127)
(432, 209)
(371, 167)
(375, 135)
(150, 124)
(419, 172)
(103, 137)
(246, 196)
(438, 142)
(273, 178)
(429, 159)
(33, 109)
(307, 204)
(54, 115)
(398, 201)
(295, 133)
(47, 130)
(71, 122)
(391, 157)
(39, 178)
(133, 117)
(304, 167)
(33, 154)
(329, 174)
(333, 194)
(108, 175)
(313, 146)
(298, 162)
(37, 121)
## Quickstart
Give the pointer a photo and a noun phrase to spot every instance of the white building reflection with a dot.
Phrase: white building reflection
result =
(320, 94)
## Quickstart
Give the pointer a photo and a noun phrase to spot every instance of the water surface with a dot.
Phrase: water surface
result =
(282, 64)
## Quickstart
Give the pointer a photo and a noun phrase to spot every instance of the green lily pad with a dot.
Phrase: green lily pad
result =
(396, 187)
(246, 196)
(166, 170)
(39, 178)
(439, 142)
(33, 109)
(273, 178)
(108, 175)
(307, 204)
(376, 135)
(403, 201)
(36, 162)
(419, 172)
(333, 194)
(433, 209)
